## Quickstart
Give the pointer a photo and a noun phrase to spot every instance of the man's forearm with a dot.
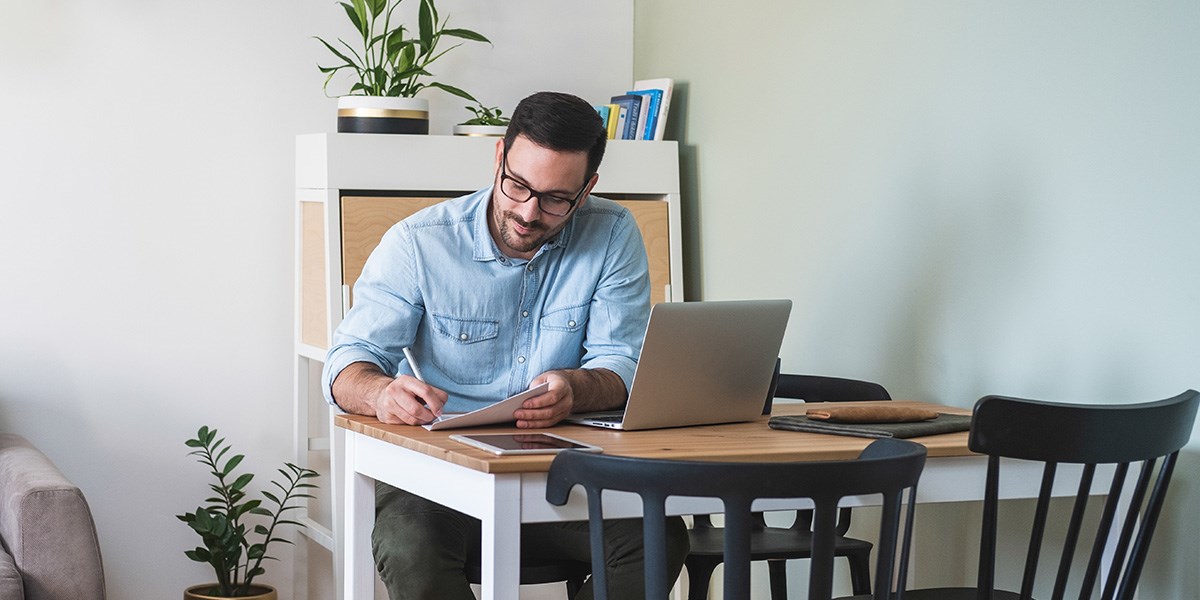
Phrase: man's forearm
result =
(595, 389)
(357, 387)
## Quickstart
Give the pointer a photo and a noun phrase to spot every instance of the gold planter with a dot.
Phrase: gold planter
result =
(260, 592)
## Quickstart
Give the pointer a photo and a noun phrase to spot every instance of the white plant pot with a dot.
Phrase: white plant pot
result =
(379, 114)
(480, 130)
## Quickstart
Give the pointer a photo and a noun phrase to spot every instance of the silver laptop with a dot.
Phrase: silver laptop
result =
(701, 363)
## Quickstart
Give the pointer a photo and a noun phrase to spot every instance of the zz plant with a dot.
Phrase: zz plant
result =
(387, 60)
(227, 543)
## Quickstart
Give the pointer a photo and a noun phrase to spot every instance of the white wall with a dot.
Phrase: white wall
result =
(962, 198)
(146, 223)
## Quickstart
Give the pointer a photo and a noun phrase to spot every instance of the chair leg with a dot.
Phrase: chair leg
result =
(860, 572)
(700, 570)
(778, 571)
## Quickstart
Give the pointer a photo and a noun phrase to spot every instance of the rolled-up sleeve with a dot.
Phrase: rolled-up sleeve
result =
(386, 313)
(620, 307)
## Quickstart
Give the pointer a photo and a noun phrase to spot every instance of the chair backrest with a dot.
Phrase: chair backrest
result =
(815, 388)
(818, 388)
(888, 467)
(1146, 437)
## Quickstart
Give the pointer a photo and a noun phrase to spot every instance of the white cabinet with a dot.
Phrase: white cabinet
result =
(350, 188)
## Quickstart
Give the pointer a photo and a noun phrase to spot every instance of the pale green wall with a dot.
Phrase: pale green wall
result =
(962, 198)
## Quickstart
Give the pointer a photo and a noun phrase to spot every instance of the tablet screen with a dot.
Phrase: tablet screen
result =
(522, 442)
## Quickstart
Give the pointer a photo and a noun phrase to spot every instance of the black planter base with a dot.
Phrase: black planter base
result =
(382, 125)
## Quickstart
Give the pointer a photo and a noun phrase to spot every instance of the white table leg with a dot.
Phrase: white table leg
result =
(357, 572)
(502, 540)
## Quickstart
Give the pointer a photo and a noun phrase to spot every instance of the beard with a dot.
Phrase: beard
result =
(538, 232)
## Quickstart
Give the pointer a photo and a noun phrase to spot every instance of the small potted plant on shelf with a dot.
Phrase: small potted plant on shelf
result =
(389, 67)
(487, 122)
(223, 525)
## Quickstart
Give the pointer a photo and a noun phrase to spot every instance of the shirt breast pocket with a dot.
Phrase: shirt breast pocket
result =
(563, 329)
(466, 349)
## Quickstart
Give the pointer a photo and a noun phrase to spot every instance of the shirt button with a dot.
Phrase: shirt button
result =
(463, 336)
(521, 359)
(570, 323)
(529, 268)
(524, 313)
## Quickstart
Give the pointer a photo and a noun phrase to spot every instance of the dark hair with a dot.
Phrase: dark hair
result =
(560, 122)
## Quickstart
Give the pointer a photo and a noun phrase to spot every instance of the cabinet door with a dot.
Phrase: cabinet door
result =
(652, 220)
(364, 221)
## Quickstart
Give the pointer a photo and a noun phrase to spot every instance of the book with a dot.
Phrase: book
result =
(639, 132)
(603, 111)
(665, 84)
(650, 101)
(614, 111)
(631, 106)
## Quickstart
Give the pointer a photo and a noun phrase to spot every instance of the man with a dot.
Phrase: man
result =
(530, 281)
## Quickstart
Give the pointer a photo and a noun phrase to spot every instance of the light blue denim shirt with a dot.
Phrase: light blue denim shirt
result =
(482, 325)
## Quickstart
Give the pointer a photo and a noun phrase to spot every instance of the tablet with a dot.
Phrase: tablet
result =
(523, 443)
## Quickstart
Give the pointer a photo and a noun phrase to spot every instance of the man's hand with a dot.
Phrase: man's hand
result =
(361, 388)
(409, 401)
(547, 409)
(571, 390)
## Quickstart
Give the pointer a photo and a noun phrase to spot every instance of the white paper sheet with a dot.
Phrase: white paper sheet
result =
(500, 412)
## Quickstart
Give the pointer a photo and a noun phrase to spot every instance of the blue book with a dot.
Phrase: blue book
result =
(630, 104)
(603, 112)
(654, 97)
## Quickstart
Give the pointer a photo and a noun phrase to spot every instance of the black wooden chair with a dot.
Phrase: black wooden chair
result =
(888, 467)
(777, 545)
(1141, 441)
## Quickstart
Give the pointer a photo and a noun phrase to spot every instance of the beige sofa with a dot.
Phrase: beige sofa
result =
(50, 550)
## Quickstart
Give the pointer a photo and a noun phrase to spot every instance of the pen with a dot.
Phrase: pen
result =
(412, 363)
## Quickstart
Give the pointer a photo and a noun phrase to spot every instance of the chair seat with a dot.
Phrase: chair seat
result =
(770, 543)
(968, 593)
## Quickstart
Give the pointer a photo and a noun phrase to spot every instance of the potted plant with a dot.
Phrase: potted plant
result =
(389, 67)
(487, 122)
(222, 521)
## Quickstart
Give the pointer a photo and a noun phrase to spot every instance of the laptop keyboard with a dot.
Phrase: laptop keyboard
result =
(608, 418)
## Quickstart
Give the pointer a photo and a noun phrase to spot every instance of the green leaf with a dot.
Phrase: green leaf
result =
(337, 53)
(241, 482)
(352, 13)
(425, 18)
(362, 14)
(465, 34)
(232, 464)
(453, 90)
(272, 497)
(378, 6)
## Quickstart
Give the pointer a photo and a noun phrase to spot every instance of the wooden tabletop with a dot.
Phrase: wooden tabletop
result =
(752, 441)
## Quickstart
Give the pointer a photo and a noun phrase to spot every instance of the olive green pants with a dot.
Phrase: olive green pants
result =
(421, 548)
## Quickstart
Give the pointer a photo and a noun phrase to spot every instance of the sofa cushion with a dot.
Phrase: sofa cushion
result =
(11, 587)
(47, 527)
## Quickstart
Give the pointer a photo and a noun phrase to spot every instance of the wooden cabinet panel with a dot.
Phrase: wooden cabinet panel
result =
(366, 218)
(314, 327)
(651, 217)
(364, 221)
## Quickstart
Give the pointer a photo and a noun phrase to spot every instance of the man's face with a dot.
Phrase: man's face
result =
(520, 228)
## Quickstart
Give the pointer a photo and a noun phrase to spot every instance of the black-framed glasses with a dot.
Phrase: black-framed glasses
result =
(550, 204)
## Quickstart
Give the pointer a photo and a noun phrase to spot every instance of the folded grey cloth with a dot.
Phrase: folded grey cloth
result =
(943, 423)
